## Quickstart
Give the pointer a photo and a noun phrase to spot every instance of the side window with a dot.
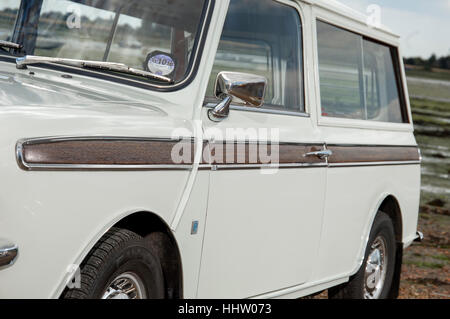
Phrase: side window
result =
(383, 98)
(8, 14)
(264, 37)
(341, 85)
(357, 77)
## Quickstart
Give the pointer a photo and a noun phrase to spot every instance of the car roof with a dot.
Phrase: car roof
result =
(347, 12)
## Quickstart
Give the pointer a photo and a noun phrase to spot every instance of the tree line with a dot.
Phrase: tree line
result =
(432, 62)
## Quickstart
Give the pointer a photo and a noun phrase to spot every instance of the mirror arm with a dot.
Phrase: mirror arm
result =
(221, 110)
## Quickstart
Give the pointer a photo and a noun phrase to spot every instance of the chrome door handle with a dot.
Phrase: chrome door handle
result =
(320, 154)
(8, 253)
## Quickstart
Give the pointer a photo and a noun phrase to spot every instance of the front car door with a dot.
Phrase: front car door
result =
(263, 221)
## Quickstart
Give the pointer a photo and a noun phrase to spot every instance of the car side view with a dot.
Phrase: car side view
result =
(202, 149)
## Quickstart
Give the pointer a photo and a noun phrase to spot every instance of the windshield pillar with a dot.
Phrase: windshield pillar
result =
(26, 27)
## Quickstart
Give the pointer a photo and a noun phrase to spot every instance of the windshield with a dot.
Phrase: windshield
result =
(158, 36)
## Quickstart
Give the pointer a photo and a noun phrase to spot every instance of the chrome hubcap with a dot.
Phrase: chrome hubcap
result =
(125, 286)
(376, 266)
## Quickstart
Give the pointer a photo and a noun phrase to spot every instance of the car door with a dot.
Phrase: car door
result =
(264, 210)
(364, 121)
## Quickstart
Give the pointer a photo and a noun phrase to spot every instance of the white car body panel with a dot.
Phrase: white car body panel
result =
(249, 199)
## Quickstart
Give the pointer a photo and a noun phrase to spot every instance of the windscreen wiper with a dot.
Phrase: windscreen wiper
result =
(10, 45)
(22, 63)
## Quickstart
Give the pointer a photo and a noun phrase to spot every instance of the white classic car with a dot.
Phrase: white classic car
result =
(238, 149)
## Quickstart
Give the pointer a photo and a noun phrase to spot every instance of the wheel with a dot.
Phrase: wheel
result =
(120, 266)
(374, 278)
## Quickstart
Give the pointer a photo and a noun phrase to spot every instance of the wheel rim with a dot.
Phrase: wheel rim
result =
(125, 286)
(376, 268)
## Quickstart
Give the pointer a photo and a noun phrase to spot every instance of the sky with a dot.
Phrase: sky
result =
(424, 25)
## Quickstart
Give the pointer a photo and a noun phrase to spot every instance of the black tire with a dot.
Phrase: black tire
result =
(354, 289)
(119, 251)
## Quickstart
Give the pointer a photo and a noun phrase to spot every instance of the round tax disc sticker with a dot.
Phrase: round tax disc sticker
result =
(160, 63)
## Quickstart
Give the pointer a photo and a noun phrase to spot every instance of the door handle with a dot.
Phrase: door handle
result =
(320, 154)
(8, 253)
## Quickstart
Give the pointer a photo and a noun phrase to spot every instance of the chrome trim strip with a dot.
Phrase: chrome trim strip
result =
(202, 166)
(300, 165)
(8, 253)
(215, 167)
(374, 164)
(61, 167)
(54, 139)
(369, 145)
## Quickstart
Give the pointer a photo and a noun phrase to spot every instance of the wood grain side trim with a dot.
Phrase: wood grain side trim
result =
(139, 153)
(231, 154)
(373, 154)
(99, 152)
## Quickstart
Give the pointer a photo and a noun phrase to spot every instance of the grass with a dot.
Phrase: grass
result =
(432, 90)
(426, 119)
(424, 264)
(436, 74)
(442, 257)
(425, 104)
(431, 119)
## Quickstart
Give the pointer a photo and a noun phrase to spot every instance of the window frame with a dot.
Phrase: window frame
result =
(306, 112)
(394, 57)
(356, 26)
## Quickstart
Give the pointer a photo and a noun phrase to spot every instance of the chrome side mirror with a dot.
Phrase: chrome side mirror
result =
(238, 88)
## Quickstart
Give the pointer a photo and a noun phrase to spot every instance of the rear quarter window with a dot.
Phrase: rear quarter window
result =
(358, 77)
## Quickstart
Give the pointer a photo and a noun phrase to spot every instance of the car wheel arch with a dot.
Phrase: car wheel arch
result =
(389, 204)
(162, 241)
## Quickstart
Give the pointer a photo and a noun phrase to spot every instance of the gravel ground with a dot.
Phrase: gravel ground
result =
(426, 265)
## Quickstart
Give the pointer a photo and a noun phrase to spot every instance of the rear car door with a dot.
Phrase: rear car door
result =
(364, 120)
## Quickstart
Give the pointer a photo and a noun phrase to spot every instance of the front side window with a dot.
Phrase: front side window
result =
(8, 14)
(264, 37)
(157, 36)
(357, 77)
